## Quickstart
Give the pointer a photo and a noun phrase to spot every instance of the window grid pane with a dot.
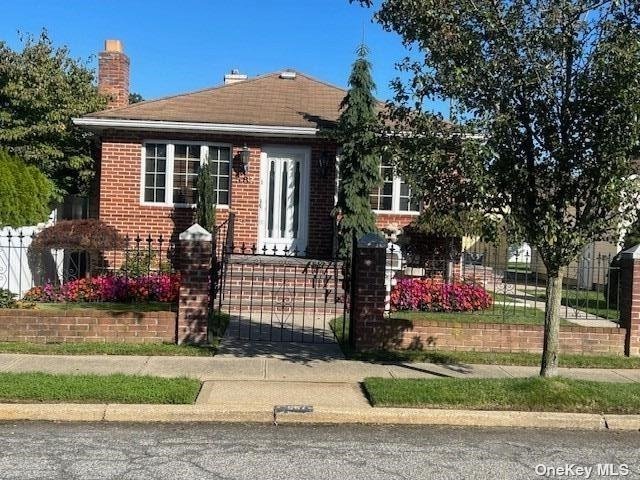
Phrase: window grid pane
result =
(186, 166)
(220, 157)
(382, 197)
(155, 171)
(407, 203)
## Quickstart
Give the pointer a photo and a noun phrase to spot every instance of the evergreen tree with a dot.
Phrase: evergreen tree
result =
(360, 160)
(25, 193)
(206, 206)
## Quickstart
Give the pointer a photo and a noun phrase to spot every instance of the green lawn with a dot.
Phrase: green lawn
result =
(500, 313)
(528, 394)
(91, 348)
(43, 387)
(524, 267)
(588, 301)
(110, 306)
(491, 358)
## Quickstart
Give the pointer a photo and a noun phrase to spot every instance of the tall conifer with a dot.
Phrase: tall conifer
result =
(359, 160)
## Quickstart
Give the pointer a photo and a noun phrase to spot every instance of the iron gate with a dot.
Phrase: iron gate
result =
(260, 295)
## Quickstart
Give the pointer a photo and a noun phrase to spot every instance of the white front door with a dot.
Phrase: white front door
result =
(284, 199)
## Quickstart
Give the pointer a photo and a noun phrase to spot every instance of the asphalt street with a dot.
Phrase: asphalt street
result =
(231, 451)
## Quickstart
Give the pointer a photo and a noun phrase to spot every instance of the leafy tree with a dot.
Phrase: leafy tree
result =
(135, 98)
(26, 194)
(360, 159)
(547, 101)
(41, 89)
(206, 205)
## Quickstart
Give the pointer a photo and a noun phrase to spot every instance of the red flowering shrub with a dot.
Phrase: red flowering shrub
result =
(161, 287)
(431, 295)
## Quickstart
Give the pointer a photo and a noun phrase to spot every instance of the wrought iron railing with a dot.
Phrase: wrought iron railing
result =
(24, 265)
(516, 282)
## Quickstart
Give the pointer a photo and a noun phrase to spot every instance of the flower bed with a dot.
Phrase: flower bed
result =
(433, 295)
(110, 288)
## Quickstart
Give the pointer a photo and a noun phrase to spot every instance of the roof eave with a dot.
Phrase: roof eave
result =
(99, 124)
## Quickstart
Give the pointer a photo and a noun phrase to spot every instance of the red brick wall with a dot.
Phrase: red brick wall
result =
(193, 306)
(87, 325)
(496, 337)
(397, 220)
(119, 197)
(630, 301)
(113, 78)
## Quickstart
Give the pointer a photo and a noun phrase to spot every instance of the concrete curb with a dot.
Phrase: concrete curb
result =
(254, 414)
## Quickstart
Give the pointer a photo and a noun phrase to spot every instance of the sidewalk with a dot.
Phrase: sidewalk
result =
(248, 389)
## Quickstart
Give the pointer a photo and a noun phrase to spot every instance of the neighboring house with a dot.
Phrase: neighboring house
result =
(275, 169)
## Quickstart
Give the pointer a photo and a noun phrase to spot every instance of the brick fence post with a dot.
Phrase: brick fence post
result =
(630, 299)
(195, 267)
(368, 293)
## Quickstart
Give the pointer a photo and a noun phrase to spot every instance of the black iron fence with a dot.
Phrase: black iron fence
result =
(515, 279)
(26, 269)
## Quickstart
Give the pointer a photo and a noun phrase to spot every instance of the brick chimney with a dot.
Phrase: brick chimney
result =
(113, 74)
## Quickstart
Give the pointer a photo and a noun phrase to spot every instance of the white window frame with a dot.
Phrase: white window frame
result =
(395, 198)
(169, 172)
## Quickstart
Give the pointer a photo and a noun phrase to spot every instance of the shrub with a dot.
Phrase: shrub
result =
(140, 262)
(7, 298)
(435, 296)
(25, 193)
(89, 235)
(110, 288)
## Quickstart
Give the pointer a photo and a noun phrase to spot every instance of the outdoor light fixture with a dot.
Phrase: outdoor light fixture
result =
(245, 154)
(323, 162)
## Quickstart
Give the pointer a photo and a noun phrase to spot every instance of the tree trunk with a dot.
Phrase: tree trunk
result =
(549, 366)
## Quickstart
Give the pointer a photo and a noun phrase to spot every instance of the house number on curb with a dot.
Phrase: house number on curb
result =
(290, 409)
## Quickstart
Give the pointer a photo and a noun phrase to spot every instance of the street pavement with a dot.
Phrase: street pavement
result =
(70, 451)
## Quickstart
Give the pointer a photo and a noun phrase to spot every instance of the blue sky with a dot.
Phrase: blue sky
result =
(182, 45)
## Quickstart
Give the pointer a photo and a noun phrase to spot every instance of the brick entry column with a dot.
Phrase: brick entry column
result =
(368, 293)
(194, 266)
(630, 299)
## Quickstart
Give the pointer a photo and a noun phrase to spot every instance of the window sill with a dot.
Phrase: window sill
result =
(178, 205)
(396, 212)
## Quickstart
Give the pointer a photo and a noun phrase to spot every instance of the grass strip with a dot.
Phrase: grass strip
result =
(498, 313)
(522, 394)
(106, 306)
(117, 388)
(490, 358)
(94, 348)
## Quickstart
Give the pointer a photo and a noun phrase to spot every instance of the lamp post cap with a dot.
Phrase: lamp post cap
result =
(633, 252)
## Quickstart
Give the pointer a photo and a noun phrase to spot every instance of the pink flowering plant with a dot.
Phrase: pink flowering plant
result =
(161, 287)
(432, 295)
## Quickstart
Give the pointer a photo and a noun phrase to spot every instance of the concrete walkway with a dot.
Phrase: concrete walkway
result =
(248, 388)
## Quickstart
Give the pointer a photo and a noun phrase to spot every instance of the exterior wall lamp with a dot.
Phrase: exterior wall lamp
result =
(323, 162)
(245, 155)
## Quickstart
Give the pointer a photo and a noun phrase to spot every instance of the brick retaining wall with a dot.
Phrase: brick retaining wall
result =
(497, 337)
(87, 325)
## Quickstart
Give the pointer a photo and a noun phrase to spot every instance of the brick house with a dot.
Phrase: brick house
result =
(274, 168)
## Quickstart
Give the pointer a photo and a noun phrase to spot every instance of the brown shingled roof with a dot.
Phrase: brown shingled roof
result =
(264, 100)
